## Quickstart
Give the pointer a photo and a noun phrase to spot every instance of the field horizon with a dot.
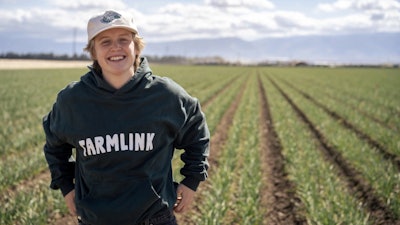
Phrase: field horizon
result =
(41, 64)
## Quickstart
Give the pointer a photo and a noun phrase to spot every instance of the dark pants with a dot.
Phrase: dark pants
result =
(165, 217)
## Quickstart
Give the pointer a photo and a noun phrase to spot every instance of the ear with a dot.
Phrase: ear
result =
(93, 54)
(137, 52)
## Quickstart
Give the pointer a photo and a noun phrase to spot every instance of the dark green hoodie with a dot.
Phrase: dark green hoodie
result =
(124, 141)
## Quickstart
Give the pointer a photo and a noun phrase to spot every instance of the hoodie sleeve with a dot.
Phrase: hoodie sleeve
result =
(194, 138)
(58, 152)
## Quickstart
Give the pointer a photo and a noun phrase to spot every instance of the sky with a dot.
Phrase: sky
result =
(158, 20)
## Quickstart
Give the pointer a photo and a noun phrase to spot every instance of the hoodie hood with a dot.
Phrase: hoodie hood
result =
(97, 83)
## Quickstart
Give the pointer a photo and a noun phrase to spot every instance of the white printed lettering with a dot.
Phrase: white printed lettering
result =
(117, 142)
(90, 146)
(139, 141)
(149, 141)
(99, 142)
(130, 142)
(112, 142)
(123, 146)
(82, 144)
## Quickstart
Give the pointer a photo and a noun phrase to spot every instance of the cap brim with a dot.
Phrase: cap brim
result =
(112, 27)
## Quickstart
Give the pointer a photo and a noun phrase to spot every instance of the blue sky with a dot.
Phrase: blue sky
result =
(160, 20)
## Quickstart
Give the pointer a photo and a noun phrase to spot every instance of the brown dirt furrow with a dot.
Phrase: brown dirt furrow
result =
(217, 142)
(347, 124)
(379, 212)
(366, 114)
(356, 108)
(393, 111)
(279, 197)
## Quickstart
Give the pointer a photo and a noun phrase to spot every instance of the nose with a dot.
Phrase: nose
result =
(116, 45)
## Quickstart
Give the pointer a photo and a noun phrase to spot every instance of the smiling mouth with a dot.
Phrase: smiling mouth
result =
(116, 58)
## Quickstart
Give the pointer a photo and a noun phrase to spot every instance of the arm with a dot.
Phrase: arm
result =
(58, 153)
(194, 138)
(70, 202)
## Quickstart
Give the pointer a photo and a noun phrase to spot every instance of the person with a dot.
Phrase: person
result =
(124, 123)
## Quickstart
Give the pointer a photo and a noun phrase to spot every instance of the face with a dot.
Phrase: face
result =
(115, 52)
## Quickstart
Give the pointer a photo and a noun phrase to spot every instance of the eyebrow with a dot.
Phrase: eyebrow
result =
(121, 35)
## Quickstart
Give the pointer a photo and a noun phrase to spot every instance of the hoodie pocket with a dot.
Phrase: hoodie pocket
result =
(112, 202)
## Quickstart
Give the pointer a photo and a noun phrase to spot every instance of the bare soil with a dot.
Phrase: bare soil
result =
(279, 194)
(379, 212)
(217, 143)
(40, 64)
(393, 158)
(278, 197)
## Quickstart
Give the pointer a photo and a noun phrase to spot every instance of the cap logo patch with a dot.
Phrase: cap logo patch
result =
(110, 16)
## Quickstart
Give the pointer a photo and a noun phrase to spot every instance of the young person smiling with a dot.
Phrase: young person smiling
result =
(125, 124)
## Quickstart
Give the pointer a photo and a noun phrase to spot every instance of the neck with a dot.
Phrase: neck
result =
(118, 80)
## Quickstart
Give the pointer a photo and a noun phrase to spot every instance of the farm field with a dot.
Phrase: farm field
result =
(288, 145)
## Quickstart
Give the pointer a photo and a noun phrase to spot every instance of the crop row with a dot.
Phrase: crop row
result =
(27, 96)
(234, 196)
(355, 161)
(332, 157)
(319, 188)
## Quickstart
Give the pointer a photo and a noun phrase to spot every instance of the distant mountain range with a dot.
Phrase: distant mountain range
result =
(371, 48)
(360, 48)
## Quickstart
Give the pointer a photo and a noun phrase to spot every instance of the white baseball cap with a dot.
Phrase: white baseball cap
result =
(108, 20)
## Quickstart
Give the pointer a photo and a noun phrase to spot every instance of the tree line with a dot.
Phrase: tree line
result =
(46, 56)
(155, 59)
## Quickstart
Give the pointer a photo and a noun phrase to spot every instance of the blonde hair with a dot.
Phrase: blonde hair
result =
(139, 46)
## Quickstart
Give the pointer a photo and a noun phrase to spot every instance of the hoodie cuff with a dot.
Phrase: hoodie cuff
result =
(191, 183)
(66, 188)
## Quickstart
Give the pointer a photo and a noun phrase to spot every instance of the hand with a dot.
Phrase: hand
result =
(70, 202)
(184, 198)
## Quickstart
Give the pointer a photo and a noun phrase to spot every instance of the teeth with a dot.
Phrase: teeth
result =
(115, 58)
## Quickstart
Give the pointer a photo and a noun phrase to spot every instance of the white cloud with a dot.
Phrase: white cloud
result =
(241, 3)
(56, 20)
(177, 21)
(377, 5)
(248, 20)
(88, 4)
(237, 18)
(338, 5)
(294, 20)
(368, 15)
(363, 5)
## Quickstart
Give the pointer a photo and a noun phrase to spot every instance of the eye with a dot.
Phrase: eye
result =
(105, 42)
(124, 41)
